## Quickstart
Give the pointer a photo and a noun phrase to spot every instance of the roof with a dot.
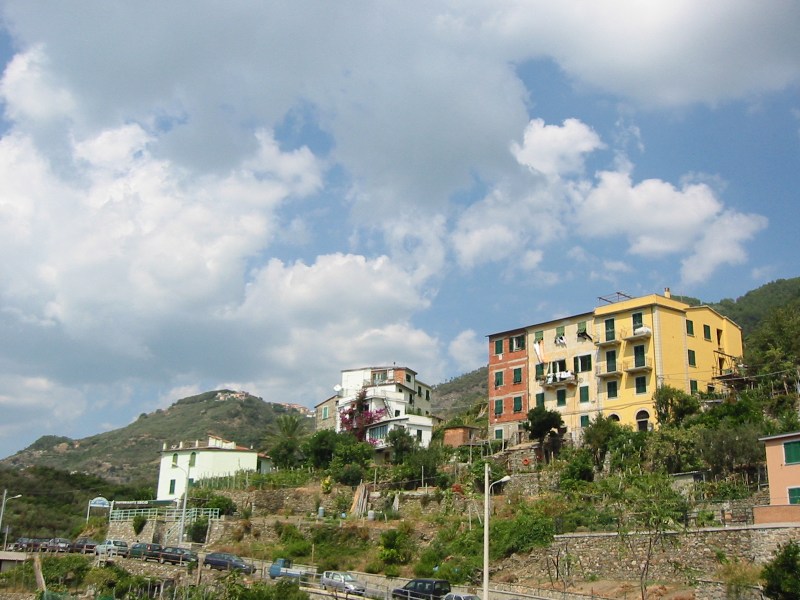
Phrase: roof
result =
(780, 436)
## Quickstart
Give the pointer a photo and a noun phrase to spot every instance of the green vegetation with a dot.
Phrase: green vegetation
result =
(782, 574)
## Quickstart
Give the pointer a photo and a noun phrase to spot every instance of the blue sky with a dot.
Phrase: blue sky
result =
(258, 197)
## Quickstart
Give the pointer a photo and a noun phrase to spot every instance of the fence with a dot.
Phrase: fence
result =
(168, 514)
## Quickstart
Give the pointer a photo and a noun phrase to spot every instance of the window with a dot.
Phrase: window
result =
(581, 327)
(419, 435)
(397, 412)
(498, 346)
(692, 359)
(641, 385)
(498, 378)
(559, 330)
(584, 420)
(638, 356)
(518, 375)
(611, 361)
(794, 495)
(516, 343)
(583, 363)
(558, 366)
(610, 334)
(498, 434)
(175, 459)
(707, 332)
(419, 390)
(642, 420)
(408, 377)
(540, 371)
(692, 386)
(637, 320)
(192, 459)
(498, 407)
(540, 399)
(379, 433)
(171, 486)
(689, 327)
(517, 403)
(791, 452)
(538, 336)
(324, 412)
(427, 394)
(611, 389)
(584, 393)
(561, 397)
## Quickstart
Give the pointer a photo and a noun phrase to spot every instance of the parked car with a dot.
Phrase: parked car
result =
(452, 596)
(423, 589)
(21, 545)
(145, 551)
(112, 548)
(227, 562)
(37, 544)
(177, 556)
(84, 545)
(59, 545)
(341, 581)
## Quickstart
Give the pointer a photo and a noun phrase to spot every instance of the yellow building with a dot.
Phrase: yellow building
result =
(608, 361)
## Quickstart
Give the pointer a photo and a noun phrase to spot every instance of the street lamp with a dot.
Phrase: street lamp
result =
(6, 498)
(185, 495)
(486, 501)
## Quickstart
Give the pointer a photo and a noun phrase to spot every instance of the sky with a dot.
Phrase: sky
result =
(255, 196)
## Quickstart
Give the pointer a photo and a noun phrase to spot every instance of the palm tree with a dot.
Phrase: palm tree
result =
(283, 442)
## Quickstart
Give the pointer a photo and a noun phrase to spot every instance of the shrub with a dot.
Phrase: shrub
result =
(782, 574)
(139, 521)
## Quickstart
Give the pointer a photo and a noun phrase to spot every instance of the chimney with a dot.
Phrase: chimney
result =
(667, 293)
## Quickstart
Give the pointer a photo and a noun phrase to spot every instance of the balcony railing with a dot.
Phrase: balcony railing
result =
(607, 338)
(639, 333)
(637, 364)
(561, 378)
(608, 369)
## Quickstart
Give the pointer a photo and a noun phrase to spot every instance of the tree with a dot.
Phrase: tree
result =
(542, 424)
(782, 574)
(285, 451)
(319, 448)
(597, 437)
(350, 460)
(673, 406)
(357, 417)
(402, 444)
(774, 347)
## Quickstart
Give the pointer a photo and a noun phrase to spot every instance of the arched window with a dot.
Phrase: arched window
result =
(642, 420)
(613, 417)
(175, 459)
(192, 458)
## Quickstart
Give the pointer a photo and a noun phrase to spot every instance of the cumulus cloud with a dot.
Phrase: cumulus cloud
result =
(467, 351)
(556, 150)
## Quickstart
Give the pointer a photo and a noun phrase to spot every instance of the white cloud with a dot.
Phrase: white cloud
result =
(556, 150)
(467, 351)
(28, 89)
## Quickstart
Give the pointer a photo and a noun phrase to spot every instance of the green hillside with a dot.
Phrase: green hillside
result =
(749, 310)
(131, 453)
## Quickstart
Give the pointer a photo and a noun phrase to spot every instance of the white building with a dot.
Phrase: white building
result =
(394, 395)
(191, 461)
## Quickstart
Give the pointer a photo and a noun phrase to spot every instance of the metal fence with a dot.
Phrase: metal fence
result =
(168, 514)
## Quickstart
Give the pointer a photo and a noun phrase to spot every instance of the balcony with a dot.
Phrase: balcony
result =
(640, 333)
(559, 379)
(638, 365)
(608, 369)
(607, 338)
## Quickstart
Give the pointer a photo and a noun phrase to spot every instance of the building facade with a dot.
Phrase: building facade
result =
(186, 462)
(608, 361)
(393, 398)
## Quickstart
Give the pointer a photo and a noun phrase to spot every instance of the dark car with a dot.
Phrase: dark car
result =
(37, 545)
(227, 562)
(145, 551)
(423, 589)
(59, 545)
(84, 545)
(177, 556)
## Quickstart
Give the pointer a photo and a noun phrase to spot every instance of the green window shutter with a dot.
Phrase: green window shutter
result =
(641, 385)
(538, 336)
(518, 375)
(582, 327)
(637, 320)
(498, 378)
(561, 397)
(794, 495)
(517, 403)
(498, 346)
(498, 407)
(498, 434)
(540, 399)
(584, 391)
(576, 365)
(584, 420)
(171, 486)
(791, 452)
(559, 330)
(689, 327)
(707, 332)
(610, 334)
(693, 386)
(692, 359)
(611, 388)
(540, 371)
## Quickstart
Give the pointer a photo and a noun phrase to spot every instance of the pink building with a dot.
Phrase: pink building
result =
(783, 468)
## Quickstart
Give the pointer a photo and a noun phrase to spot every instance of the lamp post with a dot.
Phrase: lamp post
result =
(6, 498)
(486, 502)
(185, 496)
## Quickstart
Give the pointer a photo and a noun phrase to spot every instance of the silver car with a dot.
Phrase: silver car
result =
(341, 581)
(112, 548)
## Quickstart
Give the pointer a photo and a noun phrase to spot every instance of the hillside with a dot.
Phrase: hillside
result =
(749, 310)
(131, 453)
(461, 394)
